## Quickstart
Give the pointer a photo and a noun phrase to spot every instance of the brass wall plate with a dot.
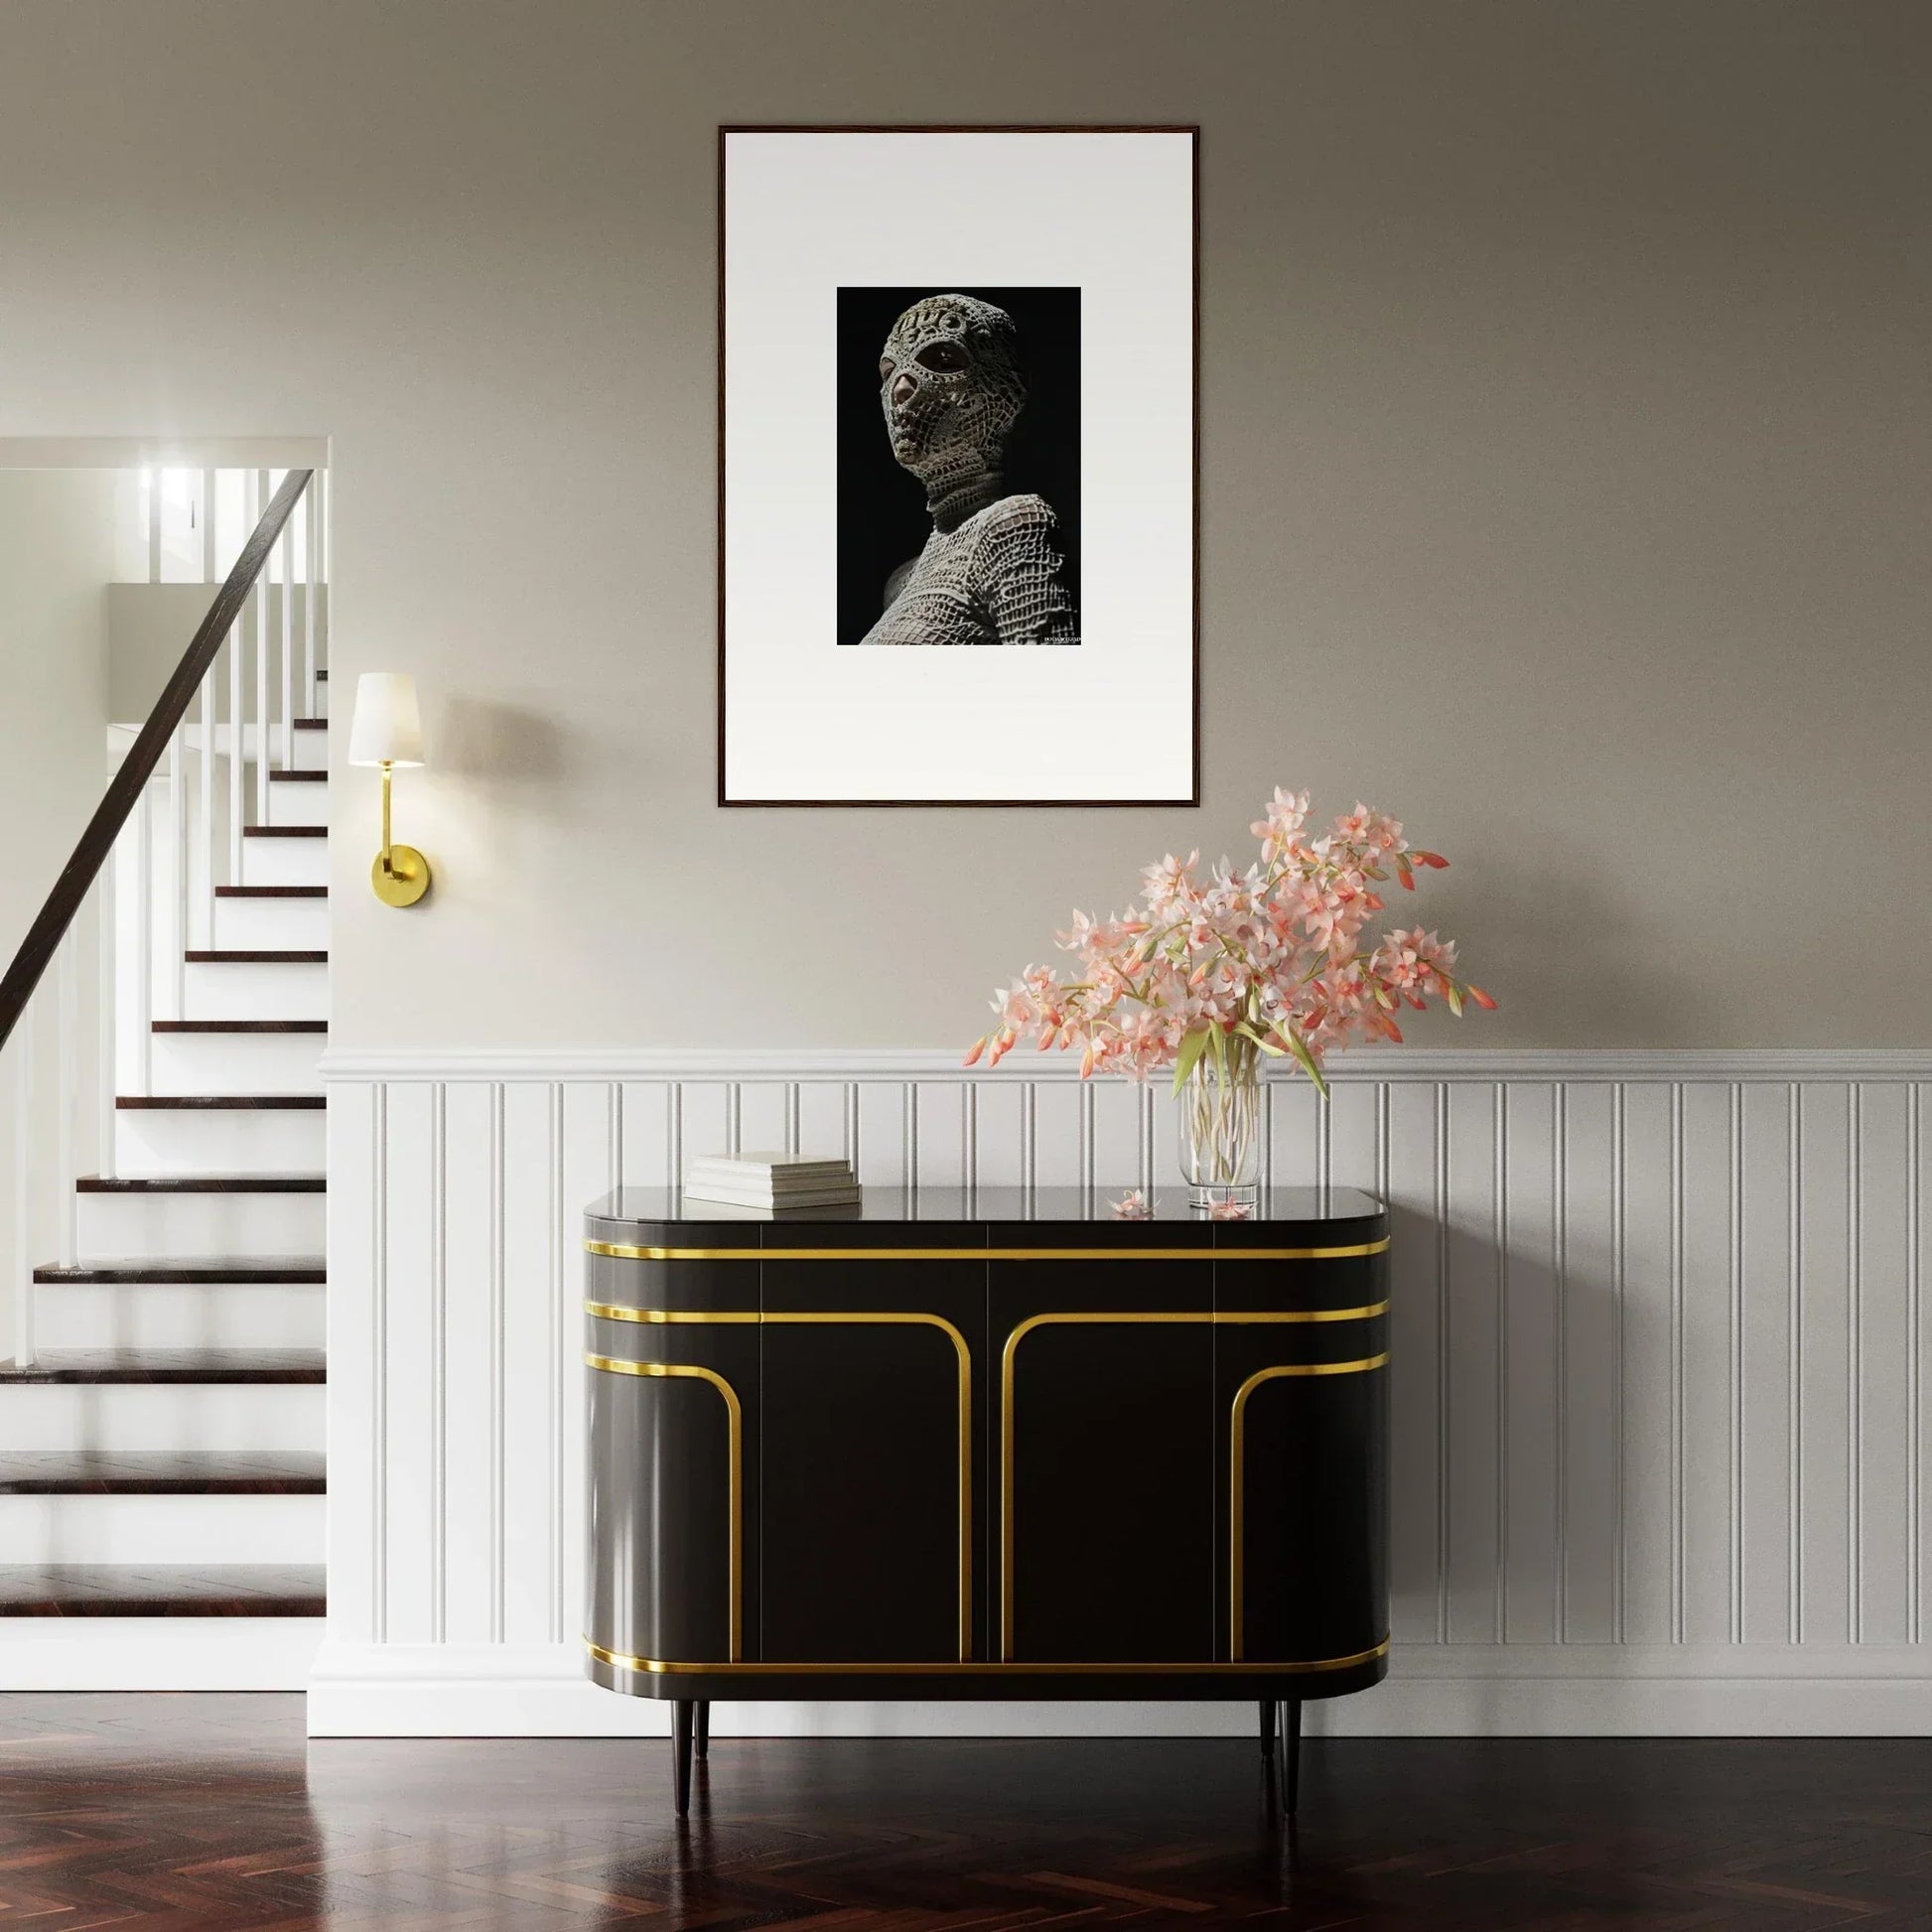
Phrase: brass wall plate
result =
(404, 879)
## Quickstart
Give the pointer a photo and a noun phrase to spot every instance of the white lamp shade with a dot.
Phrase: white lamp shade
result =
(389, 730)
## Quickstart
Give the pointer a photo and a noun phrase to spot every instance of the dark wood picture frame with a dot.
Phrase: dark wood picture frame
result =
(1192, 130)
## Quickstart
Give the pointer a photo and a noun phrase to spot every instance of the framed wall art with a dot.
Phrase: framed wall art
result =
(958, 395)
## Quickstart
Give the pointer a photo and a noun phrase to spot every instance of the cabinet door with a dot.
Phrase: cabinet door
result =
(671, 1353)
(872, 1401)
(1300, 1405)
(1105, 1538)
(673, 1523)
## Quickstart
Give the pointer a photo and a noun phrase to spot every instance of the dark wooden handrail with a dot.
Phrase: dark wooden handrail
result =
(77, 876)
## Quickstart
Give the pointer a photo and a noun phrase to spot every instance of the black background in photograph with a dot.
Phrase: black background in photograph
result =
(882, 520)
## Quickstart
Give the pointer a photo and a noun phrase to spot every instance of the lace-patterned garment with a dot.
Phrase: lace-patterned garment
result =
(992, 570)
(996, 580)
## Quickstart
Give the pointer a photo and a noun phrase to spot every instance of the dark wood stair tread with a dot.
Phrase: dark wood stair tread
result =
(311, 724)
(271, 891)
(285, 831)
(254, 1102)
(196, 1365)
(240, 1026)
(298, 777)
(202, 1184)
(161, 1589)
(135, 1271)
(162, 1473)
(253, 956)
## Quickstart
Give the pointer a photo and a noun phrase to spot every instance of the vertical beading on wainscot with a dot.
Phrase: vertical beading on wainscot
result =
(1657, 1343)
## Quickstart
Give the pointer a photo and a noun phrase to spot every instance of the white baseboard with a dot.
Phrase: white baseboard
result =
(1448, 1691)
(157, 1653)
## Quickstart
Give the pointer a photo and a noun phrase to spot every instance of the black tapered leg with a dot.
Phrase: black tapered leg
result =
(1291, 1755)
(1268, 1727)
(681, 1755)
(702, 1743)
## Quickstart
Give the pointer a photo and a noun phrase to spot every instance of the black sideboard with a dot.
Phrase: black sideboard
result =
(1005, 1446)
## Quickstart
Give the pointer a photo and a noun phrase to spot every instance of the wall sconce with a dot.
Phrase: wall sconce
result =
(387, 730)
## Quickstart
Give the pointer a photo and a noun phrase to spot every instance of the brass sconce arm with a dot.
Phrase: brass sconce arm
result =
(400, 875)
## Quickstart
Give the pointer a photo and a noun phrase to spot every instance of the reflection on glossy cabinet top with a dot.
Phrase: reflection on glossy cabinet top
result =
(1330, 1216)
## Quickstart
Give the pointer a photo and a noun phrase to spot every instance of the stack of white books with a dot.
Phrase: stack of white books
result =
(772, 1181)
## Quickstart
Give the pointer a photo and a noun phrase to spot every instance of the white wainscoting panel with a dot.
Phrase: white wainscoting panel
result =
(1659, 1376)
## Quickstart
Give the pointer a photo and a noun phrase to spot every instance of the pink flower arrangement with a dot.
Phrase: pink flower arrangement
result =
(1275, 959)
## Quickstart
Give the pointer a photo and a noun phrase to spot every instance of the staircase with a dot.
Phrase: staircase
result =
(161, 1468)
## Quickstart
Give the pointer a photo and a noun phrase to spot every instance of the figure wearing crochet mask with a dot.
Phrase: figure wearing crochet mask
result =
(992, 570)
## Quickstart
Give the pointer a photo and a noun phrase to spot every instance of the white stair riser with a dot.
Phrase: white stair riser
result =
(161, 1529)
(284, 861)
(179, 1314)
(310, 752)
(210, 1226)
(274, 990)
(163, 1416)
(297, 804)
(219, 1140)
(277, 925)
(202, 1064)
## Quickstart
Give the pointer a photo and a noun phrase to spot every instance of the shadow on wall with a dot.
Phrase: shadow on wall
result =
(1579, 938)
(1508, 1461)
(1539, 1353)
(481, 741)
(501, 776)
(1508, 1445)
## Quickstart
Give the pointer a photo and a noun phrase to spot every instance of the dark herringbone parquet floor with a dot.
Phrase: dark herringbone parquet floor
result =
(213, 1812)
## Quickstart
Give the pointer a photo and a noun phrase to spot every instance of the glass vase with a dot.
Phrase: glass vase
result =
(1220, 1133)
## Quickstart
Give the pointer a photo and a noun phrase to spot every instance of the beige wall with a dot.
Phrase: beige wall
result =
(56, 532)
(57, 546)
(1563, 473)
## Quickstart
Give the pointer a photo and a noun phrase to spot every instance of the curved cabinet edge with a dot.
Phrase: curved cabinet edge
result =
(1056, 1683)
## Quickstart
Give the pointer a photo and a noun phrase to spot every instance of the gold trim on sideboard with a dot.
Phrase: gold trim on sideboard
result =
(657, 1667)
(1213, 1317)
(611, 1312)
(622, 1311)
(1237, 1477)
(734, 1439)
(619, 1251)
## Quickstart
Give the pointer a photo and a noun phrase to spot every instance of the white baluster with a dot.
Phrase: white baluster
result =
(325, 575)
(231, 644)
(144, 941)
(210, 573)
(237, 640)
(259, 599)
(23, 1256)
(312, 549)
(106, 914)
(178, 866)
(205, 859)
(156, 477)
(211, 555)
(69, 1045)
(286, 548)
